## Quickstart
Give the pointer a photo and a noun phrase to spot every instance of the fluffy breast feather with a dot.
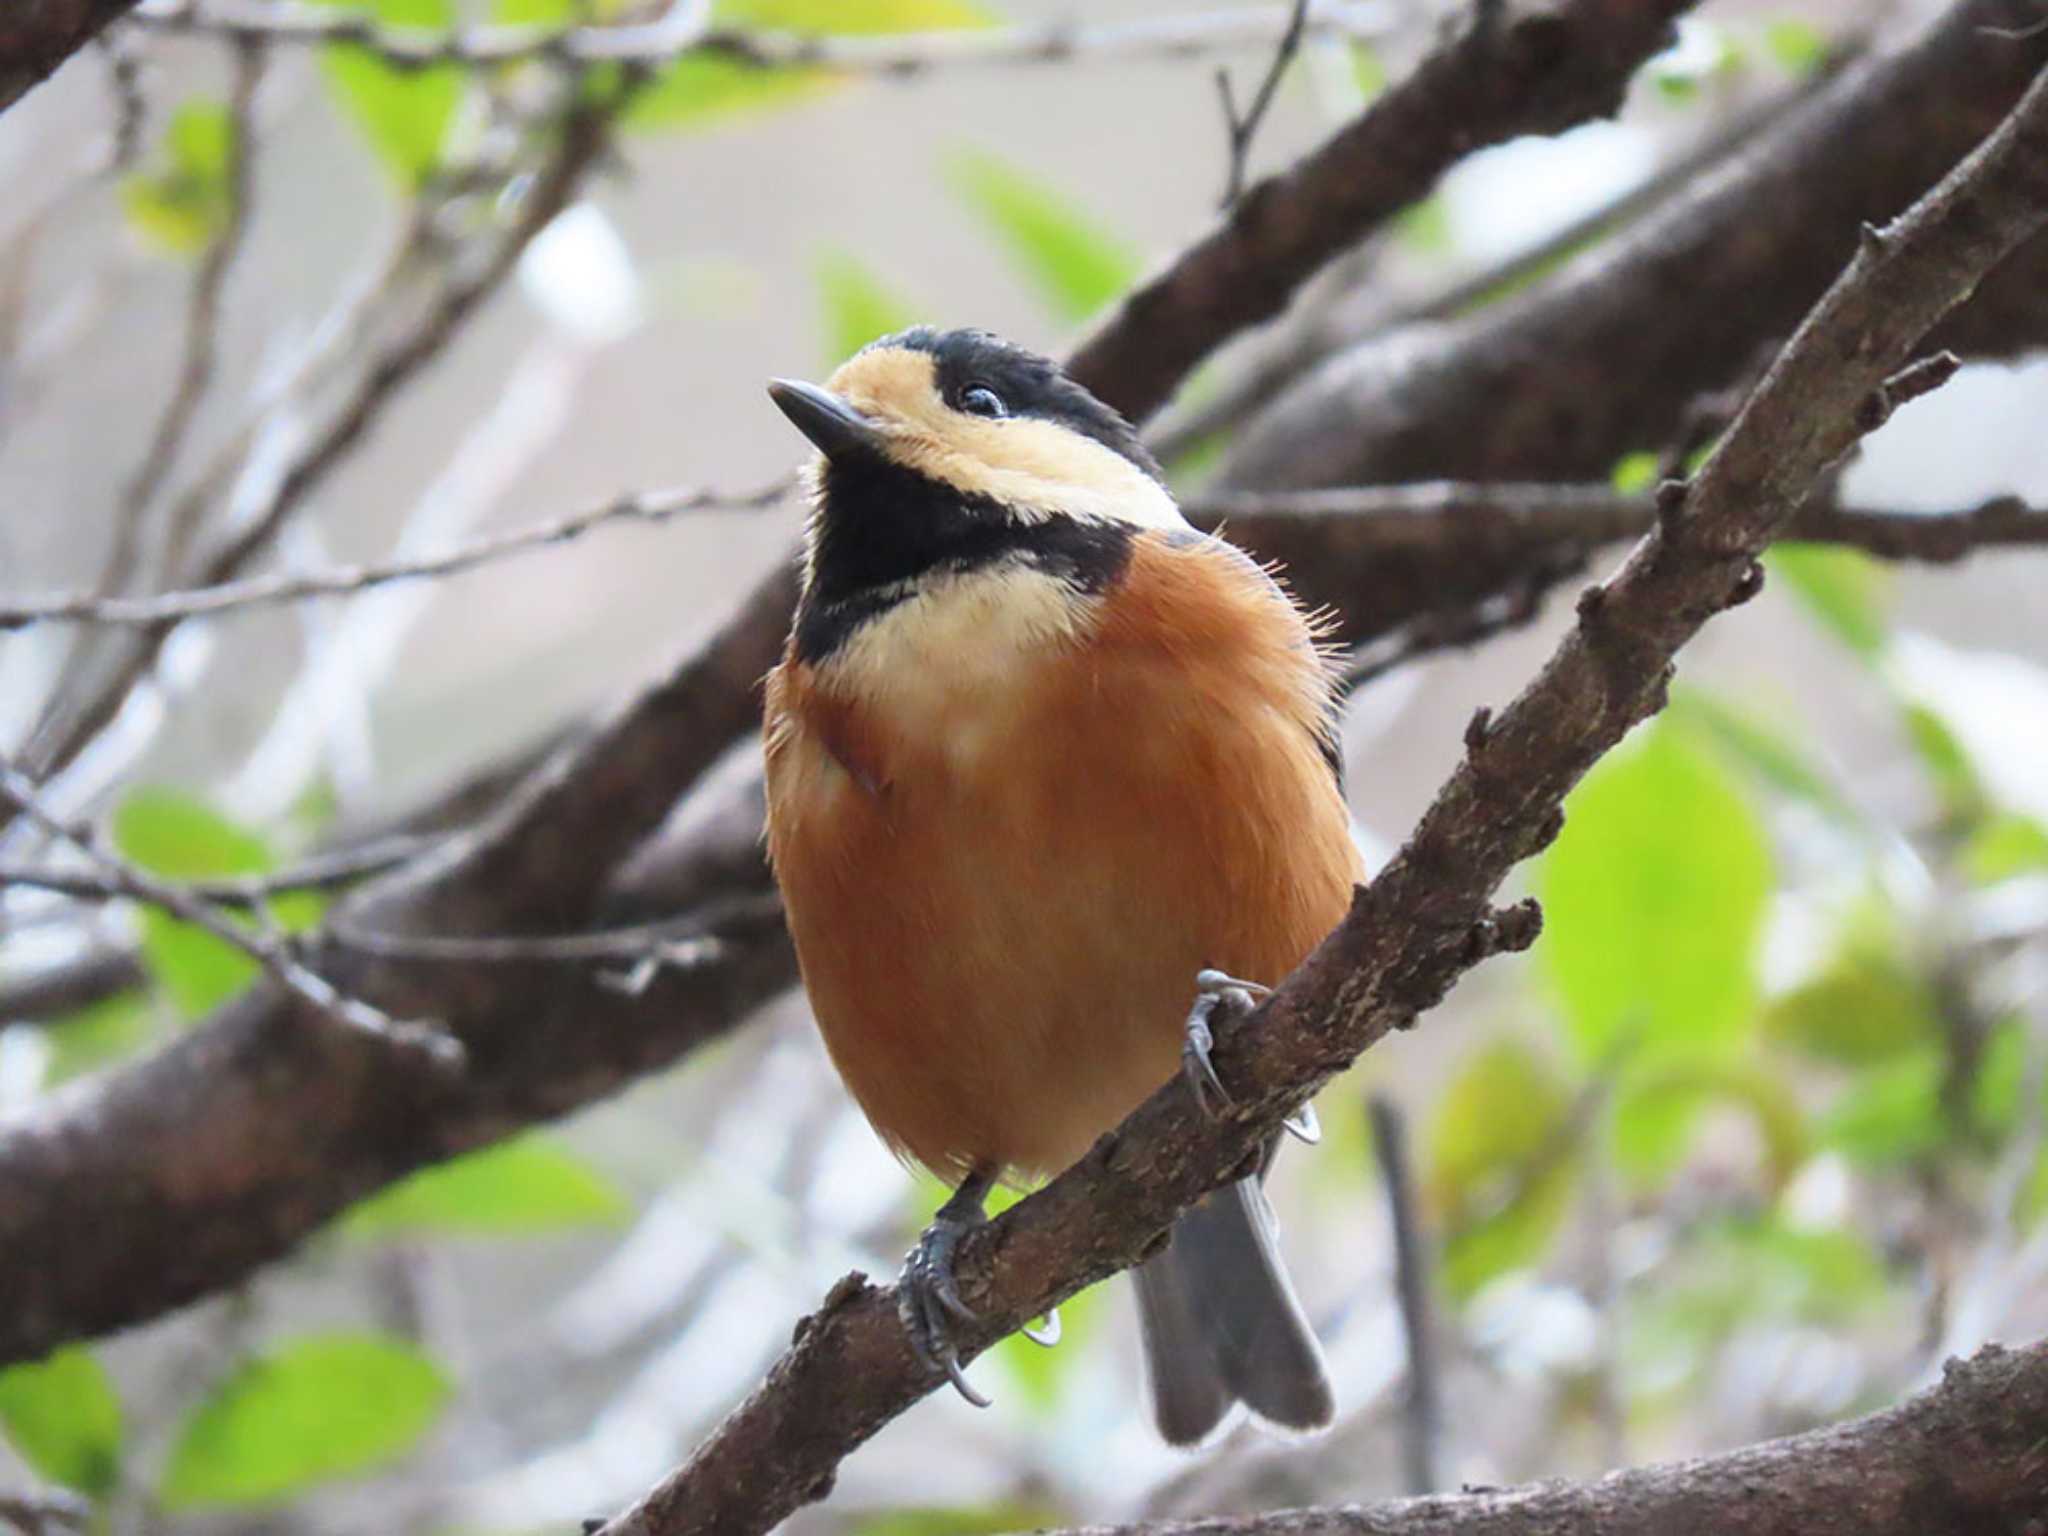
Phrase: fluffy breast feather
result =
(1010, 825)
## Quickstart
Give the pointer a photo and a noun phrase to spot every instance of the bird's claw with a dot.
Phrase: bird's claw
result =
(1304, 1125)
(928, 1292)
(1213, 990)
(1047, 1331)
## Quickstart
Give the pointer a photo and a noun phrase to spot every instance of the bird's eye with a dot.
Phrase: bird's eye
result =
(980, 400)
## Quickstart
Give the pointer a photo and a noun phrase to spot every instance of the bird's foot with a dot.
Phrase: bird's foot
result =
(928, 1294)
(1214, 991)
(1046, 1332)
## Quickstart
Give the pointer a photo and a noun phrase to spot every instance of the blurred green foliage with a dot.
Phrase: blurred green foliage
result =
(1071, 261)
(700, 89)
(172, 834)
(315, 1408)
(404, 114)
(183, 201)
(858, 306)
(529, 1184)
(63, 1416)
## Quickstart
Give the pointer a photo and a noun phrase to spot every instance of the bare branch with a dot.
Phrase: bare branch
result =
(1422, 1405)
(582, 138)
(1426, 918)
(1242, 130)
(899, 55)
(321, 872)
(1538, 71)
(62, 989)
(39, 35)
(202, 328)
(268, 949)
(45, 1512)
(1557, 381)
(650, 507)
(1965, 1456)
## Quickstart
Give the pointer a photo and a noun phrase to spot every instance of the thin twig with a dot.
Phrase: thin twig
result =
(272, 951)
(319, 873)
(202, 328)
(63, 989)
(652, 507)
(1422, 1407)
(582, 140)
(1242, 130)
(899, 55)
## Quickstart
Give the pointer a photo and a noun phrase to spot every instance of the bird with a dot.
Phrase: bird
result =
(1053, 779)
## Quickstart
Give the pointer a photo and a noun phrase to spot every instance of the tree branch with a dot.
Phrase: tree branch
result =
(898, 55)
(1558, 381)
(1426, 918)
(1542, 69)
(650, 507)
(1968, 1455)
(38, 35)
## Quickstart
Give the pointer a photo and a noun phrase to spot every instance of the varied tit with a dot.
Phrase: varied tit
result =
(1038, 755)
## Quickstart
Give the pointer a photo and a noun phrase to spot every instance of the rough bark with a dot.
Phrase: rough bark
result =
(38, 35)
(1557, 382)
(1508, 70)
(1966, 1456)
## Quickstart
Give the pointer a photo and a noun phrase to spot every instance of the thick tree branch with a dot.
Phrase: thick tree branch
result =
(1556, 382)
(1967, 1455)
(1426, 918)
(1535, 69)
(38, 35)
(297, 1125)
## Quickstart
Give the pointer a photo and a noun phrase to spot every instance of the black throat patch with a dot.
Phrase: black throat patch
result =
(883, 529)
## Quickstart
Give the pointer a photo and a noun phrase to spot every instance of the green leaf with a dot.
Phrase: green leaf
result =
(1076, 265)
(983, 1520)
(1655, 1109)
(183, 203)
(1368, 69)
(528, 1184)
(62, 1415)
(97, 1035)
(1866, 1006)
(403, 113)
(1654, 900)
(1891, 1114)
(1848, 591)
(179, 837)
(1963, 798)
(1425, 227)
(858, 307)
(1760, 747)
(699, 89)
(1498, 1164)
(1634, 473)
(1799, 46)
(318, 1407)
(2005, 846)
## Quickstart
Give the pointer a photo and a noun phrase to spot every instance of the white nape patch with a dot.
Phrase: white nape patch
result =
(944, 665)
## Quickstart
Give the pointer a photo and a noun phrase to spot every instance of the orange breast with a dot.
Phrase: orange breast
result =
(1000, 902)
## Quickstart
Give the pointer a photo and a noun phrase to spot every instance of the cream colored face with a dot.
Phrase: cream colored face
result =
(1037, 468)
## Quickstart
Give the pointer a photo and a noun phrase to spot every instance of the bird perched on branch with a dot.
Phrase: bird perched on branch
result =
(1047, 771)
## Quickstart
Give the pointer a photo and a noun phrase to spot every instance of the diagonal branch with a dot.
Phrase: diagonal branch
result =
(1542, 69)
(1558, 381)
(1426, 918)
(38, 35)
(1967, 1455)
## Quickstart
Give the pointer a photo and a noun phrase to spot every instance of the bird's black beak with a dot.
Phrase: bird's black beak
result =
(836, 427)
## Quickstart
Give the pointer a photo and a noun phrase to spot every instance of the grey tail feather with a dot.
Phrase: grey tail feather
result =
(1221, 1324)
